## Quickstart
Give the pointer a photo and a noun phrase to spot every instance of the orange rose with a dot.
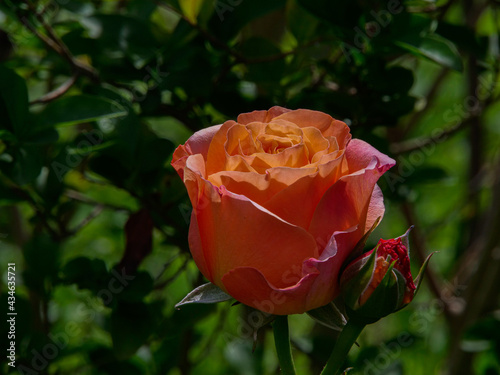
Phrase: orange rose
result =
(280, 199)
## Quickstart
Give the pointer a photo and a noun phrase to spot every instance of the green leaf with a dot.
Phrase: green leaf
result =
(206, 293)
(119, 35)
(13, 101)
(130, 326)
(301, 23)
(79, 7)
(6, 135)
(338, 13)
(79, 108)
(26, 166)
(42, 256)
(231, 16)
(138, 289)
(191, 9)
(169, 128)
(85, 273)
(266, 72)
(434, 48)
(9, 196)
(465, 39)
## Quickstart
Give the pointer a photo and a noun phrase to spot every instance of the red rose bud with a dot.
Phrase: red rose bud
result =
(380, 282)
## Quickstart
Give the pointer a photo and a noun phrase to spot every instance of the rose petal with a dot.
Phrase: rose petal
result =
(240, 141)
(260, 187)
(346, 203)
(196, 248)
(216, 157)
(261, 116)
(360, 154)
(325, 123)
(198, 143)
(376, 208)
(308, 191)
(228, 225)
(315, 285)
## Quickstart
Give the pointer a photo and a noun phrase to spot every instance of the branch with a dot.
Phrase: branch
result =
(58, 92)
(419, 143)
(53, 42)
(431, 94)
(76, 195)
(93, 214)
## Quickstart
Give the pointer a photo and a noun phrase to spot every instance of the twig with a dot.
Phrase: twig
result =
(428, 99)
(174, 276)
(165, 266)
(419, 143)
(58, 92)
(76, 195)
(93, 214)
(55, 43)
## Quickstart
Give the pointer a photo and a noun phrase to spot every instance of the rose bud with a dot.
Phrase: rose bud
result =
(379, 282)
(280, 199)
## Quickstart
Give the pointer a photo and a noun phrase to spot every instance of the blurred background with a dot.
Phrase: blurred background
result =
(95, 96)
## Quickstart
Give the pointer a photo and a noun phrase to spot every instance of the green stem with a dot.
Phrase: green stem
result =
(282, 342)
(346, 339)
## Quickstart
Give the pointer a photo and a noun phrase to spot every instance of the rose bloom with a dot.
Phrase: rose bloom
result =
(280, 199)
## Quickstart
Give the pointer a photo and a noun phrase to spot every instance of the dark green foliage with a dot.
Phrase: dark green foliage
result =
(96, 95)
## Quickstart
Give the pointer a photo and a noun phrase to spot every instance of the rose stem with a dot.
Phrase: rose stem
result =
(282, 342)
(346, 339)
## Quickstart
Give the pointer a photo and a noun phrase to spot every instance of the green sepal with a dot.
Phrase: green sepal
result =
(354, 286)
(405, 239)
(358, 249)
(329, 316)
(420, 276)
(401, 281)
(206, 293)
(383, 301)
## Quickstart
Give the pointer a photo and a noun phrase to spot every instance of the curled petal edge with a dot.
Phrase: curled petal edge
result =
(317, 286)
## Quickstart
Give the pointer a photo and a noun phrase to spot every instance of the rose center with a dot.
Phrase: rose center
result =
(272, 144)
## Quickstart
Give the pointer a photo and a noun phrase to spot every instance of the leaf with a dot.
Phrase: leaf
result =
(6, 135)
(26, 166)
(85, 273)
(434, 48)
(338, 13)
(169, 128)
(262, 72)
(191, 9)
(465, 39)
(9, 196)
(13, 101)
(79, 108)
(206, 293)
(231, 16)
(301, 23)
(329, 316)
(78, 7)
(130, 326)
(117, 35)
